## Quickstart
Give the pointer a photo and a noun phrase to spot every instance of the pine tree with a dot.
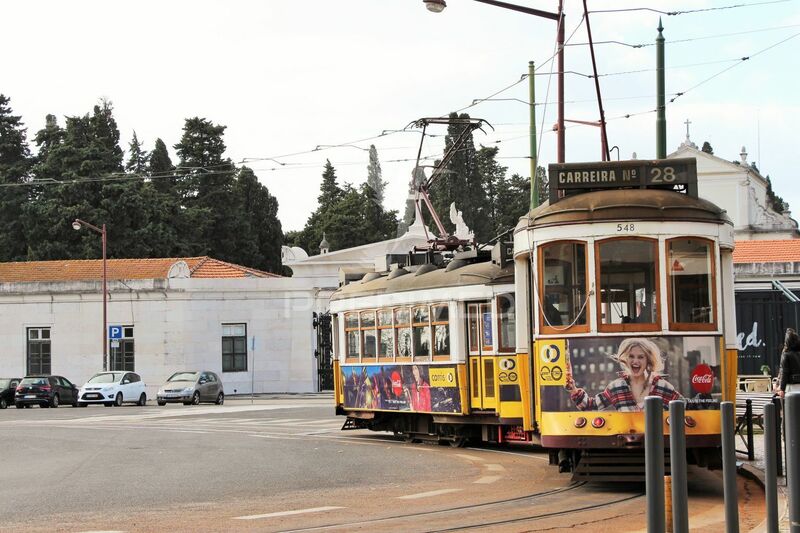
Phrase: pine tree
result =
(375, 176)
(707, 148)
(329, 191)
(15, 165)
(513, 199)
(137, 159)
(493, 176)
(330, 194)
(264, 231)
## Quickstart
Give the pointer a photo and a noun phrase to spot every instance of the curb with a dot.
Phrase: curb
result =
(754, 473)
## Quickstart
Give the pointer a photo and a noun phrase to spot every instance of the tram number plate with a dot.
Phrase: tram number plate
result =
(626, 228)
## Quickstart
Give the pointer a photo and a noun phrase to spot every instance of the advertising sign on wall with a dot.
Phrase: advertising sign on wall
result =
(617, 373)
(419, 388)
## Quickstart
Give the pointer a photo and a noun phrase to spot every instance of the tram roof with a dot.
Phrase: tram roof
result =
(627, 204)
(484, 273)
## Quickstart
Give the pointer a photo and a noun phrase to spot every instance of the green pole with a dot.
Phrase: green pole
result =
(661, 117)
(532, 99)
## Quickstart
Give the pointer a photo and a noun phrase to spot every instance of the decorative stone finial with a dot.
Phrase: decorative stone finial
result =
(743, 155)
(324, 246)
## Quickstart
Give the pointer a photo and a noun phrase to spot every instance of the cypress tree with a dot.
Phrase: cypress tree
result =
(375, 176)
(15, 164)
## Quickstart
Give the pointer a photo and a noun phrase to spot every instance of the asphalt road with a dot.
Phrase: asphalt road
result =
(283, 464)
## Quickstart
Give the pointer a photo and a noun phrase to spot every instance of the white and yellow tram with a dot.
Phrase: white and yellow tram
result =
(621, 286)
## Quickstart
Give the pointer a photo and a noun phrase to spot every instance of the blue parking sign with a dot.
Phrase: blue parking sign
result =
(114, 332)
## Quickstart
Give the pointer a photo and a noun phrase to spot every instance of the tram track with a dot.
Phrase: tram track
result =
(496, 504)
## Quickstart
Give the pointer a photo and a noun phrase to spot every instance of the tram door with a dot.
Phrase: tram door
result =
(482, 393)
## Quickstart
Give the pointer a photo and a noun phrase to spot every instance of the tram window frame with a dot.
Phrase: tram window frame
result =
(544, 327)
(437, 321)
(364, 317)
(629, 326)
(712, 287)
(400, 325)
(482, 310)
(423, 328)
(473, 327)
(383, 326)
(506, 345)
(349, 329)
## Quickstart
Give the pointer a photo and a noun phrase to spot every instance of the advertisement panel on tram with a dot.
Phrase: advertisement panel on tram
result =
(617, 373)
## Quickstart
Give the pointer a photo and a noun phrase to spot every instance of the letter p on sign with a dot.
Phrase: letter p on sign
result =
(114, 332)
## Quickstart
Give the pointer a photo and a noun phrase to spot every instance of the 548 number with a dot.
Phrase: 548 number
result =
(625, 228)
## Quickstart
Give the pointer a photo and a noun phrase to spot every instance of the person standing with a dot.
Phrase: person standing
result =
(790, 364)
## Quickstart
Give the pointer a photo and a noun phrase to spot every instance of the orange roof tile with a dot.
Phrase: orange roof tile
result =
(768, 251)
(92, 269)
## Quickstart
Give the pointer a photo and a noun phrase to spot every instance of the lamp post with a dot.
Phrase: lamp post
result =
(77, 225)
(437, 6)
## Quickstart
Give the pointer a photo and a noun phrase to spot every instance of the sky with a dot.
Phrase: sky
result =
(288, 78)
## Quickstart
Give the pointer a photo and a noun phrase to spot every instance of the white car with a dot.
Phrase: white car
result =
(113, 388)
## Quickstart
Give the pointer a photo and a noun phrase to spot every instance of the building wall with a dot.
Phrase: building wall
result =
(177, 326)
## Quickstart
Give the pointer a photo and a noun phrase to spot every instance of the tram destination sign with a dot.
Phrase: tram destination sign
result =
(567, 179)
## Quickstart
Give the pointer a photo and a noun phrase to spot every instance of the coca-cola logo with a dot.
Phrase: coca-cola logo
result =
(702, 379)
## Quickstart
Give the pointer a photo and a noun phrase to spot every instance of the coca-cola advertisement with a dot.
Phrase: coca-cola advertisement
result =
(618, 373)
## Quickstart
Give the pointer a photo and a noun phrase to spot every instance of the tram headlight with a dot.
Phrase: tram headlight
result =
(580, 422)
(598, 422)
(690, 422)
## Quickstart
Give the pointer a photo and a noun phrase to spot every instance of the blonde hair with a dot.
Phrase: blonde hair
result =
(651, 351)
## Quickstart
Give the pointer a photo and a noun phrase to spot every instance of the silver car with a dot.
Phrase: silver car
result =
(191, 388)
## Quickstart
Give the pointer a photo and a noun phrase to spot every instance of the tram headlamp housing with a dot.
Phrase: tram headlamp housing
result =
(580, 422)
(598, 422)
(690, 422)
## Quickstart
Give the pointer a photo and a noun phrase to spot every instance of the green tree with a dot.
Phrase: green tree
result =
(15, 165)
(513, 200)
(375, 176)
(138, 159)
(707, 148)
(493, 177)
(775, 202)
(261, 246)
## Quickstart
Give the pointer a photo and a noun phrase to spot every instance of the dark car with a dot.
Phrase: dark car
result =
(7, 388)
(45, 391)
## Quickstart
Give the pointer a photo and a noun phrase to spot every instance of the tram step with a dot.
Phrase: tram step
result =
(626, 466)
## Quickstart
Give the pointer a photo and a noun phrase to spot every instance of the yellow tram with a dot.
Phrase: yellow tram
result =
(619, 287)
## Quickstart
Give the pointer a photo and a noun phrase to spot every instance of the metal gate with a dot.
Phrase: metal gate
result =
(324, 351)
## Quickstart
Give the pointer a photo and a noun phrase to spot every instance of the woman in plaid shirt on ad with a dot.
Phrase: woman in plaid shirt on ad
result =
(641, 362)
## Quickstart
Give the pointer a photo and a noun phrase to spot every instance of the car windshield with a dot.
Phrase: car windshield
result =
(107, 377)
(183, 376)
(35, 381)
(4, 383)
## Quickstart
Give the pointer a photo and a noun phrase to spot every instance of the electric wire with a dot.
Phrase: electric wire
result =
(689, 11)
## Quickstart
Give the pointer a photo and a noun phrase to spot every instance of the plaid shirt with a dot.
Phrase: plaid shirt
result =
(618, 395)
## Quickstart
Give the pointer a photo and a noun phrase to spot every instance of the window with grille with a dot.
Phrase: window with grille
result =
(38, 360)
(234, 347)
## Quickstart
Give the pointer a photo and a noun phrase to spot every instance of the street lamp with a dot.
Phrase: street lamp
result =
(77, 225)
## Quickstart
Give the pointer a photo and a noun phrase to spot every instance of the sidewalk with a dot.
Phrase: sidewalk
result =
(755, 469)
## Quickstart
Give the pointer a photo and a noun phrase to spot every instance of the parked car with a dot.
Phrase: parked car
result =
(191, 388)
(46, 391)
(113, 388)
(7, 388)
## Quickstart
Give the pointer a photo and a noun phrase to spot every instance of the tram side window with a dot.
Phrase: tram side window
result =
(352, 335)
(564, 286)
(385, 334)
(402, 324)
(369, 335)
(628, 281)
(440, 323)
(691, 284)
(422, 333)
(507, 322)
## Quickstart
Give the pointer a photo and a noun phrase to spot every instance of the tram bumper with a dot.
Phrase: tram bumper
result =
(622, 441)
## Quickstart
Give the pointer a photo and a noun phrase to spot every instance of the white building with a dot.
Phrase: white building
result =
(742, 191)
(251, 327)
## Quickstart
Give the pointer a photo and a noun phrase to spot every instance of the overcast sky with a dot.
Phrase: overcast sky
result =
(285, 76)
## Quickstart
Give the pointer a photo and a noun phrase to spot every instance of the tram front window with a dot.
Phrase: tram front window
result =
(628, 284)
(690, 281)
(563, 302)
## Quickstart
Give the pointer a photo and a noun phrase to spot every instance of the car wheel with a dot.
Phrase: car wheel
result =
(220, 399)
(3, 403)
(142, 400)
(54, 401)
(27, 406)
(118, 400)
(108, 404)
(196, 398)
(162, 404)
(19, 406)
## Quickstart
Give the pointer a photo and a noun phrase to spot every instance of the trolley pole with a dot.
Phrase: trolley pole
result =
(654, 463)
(729, 468)
(677, 461)
(661, 109)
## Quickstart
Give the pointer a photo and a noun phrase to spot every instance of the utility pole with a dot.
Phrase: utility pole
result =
(534, 157)
(661, 116)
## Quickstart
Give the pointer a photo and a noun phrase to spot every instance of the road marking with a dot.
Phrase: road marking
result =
(286, 513)
(470, 457)
(427, 494)
(485, 480)
(495, 468)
